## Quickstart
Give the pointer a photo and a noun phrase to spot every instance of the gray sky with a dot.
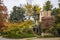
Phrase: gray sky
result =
(11, 3)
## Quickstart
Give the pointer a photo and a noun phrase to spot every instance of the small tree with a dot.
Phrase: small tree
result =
(36, 15)
(36, 12)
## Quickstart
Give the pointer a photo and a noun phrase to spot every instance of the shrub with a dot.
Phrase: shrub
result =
(17, 32)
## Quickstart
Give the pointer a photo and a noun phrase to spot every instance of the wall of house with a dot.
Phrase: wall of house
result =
(46, 19)
(44, 14)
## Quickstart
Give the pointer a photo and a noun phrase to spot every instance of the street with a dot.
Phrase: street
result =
(57, 38)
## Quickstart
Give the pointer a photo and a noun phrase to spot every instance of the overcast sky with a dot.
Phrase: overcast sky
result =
(11, 3)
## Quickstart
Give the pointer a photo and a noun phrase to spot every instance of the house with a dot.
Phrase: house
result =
(46, 19)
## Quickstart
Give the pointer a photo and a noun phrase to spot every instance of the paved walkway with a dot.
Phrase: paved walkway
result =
(32, 39)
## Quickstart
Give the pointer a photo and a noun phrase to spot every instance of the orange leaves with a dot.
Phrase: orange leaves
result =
(11, 24)
(21, 25)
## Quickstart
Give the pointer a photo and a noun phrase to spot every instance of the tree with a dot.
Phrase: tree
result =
(47, 6)
(17, 14)
(36, 12)
(57, 20)
(36, 15)
(56, 13)
(2, 25)
(28, 8)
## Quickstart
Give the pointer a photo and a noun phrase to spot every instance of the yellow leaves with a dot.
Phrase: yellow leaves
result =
(28, 6)
(59, 15)
(30, 9)
(27, 22)
(38, 9)
(11, 24)
(58, 25)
